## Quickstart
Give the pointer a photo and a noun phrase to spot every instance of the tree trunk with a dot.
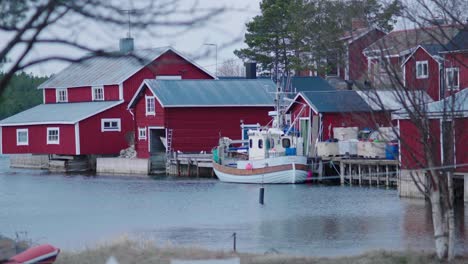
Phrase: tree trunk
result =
(440, 225)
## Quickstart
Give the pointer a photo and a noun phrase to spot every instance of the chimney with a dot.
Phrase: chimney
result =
(250, 70)
(357, 23)
(126, 45)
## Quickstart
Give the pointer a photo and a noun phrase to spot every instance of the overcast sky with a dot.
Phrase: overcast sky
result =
(223, 29)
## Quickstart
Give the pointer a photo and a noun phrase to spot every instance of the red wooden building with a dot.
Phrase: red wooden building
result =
(390, 52)
(85, 105)
(317, 113)
(412, 152)
(190, 116)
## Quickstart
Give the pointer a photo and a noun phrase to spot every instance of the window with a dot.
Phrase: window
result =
(62, 95)
(150, 108)
(260, 143)
(169, 77)
(452, 77)
(110, 124)
(22, 137)
(141, 133)
(286, 143)
(422, 70)
(53, 135)
(98, 93)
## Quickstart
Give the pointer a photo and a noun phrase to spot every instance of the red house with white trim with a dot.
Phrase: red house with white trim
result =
(191, 116)
(85, 105)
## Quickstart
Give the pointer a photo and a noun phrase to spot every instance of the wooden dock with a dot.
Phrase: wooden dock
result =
(377, 172)
(190, 165)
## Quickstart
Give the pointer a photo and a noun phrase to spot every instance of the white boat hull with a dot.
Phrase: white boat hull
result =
(293, 174)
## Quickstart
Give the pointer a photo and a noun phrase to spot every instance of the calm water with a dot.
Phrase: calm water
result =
(72, 212)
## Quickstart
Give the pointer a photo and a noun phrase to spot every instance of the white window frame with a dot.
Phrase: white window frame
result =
(422, 63)
(142, 133)
(153, 112)
(169, 77)
(58, 97)
(451, 70)
(93, 93)
(22, 130)
(49, 141)
(110, 129)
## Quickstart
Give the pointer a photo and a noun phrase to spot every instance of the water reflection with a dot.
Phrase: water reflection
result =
(75, 211)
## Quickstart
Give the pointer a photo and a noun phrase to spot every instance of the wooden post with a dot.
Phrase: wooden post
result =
(177, 164)
(378, 174)
(198, 168)
(189, 162)
(360, 175)
(369, 169)
(342, 173)
(350, 174)
(386, 176)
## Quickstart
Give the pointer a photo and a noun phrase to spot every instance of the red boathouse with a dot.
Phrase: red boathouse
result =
(190, 116)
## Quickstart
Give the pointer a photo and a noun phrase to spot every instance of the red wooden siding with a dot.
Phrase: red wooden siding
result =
(429, 84)
(197, 129)
(461, 144)
(93, 141)
(357, 60)
(167, 64)
(50, 96)
(37, 137)
(141, 120)
(411, 145)
(79, 94)
(111, 92)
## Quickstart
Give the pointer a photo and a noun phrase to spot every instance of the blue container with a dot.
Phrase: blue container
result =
(391, 151)
(290, 151)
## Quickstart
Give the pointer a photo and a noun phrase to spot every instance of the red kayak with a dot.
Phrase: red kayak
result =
(43, 254)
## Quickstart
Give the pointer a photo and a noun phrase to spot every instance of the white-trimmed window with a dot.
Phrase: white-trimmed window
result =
(452, 75)
(142, 133)
(169, 77)
(62, 95)
(150, 105)
(22, 137)
(98, 93)
(110, 124)
(422, 69)
(53, 135)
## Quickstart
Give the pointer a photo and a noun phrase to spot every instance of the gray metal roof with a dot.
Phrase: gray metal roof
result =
(200, 93)
(390, 100)
(107, 70)
(337, 101)
(459, 101)
(62, 113)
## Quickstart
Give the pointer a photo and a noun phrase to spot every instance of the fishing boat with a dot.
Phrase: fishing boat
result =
(270, 155)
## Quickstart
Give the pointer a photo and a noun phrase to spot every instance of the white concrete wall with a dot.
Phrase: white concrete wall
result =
(407, 188)
(122, 166)
(29, 161)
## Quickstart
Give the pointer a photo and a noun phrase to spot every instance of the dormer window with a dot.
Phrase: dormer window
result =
(62, 96)
(98, 93)
(422, 69)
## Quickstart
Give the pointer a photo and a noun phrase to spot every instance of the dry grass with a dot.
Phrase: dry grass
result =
(131, 252)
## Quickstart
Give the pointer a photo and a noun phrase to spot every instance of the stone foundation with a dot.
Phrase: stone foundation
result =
(28, 161)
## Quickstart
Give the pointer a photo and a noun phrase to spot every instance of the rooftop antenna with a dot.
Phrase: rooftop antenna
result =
(129, 12)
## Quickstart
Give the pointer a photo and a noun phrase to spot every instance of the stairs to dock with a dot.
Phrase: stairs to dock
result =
(158, 163)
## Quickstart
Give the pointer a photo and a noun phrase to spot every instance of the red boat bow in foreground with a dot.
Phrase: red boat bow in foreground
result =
(43, 254)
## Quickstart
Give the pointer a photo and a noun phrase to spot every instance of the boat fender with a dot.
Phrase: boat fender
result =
(248, 166)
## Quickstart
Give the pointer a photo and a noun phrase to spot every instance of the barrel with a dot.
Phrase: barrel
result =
(391, 151)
